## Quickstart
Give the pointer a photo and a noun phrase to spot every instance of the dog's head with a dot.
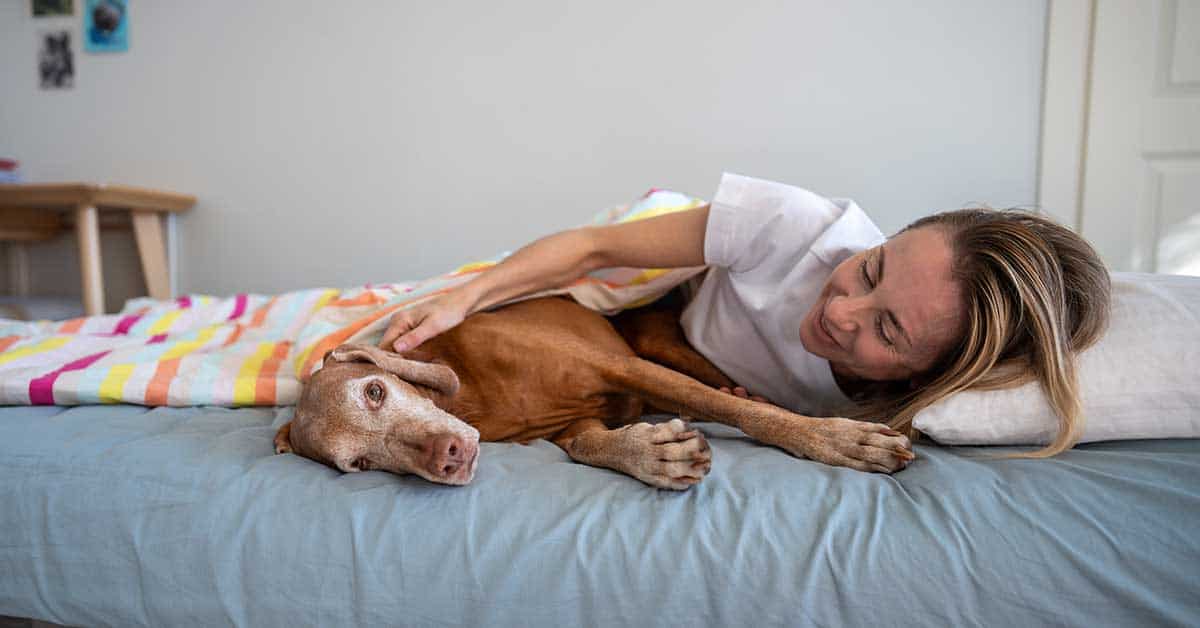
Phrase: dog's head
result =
(367, 408)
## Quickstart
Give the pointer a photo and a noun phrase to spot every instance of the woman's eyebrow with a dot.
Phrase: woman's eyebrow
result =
(891, 314)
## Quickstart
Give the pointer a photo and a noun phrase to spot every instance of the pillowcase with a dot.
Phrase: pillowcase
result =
(1138, 381)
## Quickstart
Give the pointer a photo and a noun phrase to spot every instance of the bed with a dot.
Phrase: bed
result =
(139, 488)
(122, 515)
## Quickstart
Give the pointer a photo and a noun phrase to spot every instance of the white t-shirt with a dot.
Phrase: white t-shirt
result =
(771, 247)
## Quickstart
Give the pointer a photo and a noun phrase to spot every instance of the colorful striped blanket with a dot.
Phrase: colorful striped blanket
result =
(253, 349)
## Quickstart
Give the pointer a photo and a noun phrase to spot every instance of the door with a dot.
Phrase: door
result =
(1138, 165)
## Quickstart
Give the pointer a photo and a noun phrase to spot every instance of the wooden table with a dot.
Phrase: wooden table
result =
(34, 211)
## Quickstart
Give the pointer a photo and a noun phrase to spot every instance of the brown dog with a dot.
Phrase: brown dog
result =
(551, 368)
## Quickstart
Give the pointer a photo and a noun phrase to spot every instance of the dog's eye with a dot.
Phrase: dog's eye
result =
(375, 392)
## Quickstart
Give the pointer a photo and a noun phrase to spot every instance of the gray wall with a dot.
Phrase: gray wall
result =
(337, 143)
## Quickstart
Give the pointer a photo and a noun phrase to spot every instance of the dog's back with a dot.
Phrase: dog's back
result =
(527, 370)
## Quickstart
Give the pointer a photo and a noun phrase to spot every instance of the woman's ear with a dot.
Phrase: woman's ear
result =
(283, 439)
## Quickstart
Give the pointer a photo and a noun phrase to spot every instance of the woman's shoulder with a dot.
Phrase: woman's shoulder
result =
(753, 220)
(763, 196)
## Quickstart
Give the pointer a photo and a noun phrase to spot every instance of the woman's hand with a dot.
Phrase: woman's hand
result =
(414, 325)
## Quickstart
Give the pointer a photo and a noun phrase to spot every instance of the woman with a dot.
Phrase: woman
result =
(807, 304)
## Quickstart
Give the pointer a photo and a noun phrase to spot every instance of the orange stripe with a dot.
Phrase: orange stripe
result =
(237, 333)
(366, 298)
(156, 390)
(72, 326)
(260, 314)
(264, 389)
(7, 342)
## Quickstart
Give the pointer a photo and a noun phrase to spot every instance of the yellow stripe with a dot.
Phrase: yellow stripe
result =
(243, 386)
(473, 266)
(49, 344)
(326, 297)
(161, 325)
(303, 357)
(646, 276)
(114, 383)
(184, 348)
(659, 211)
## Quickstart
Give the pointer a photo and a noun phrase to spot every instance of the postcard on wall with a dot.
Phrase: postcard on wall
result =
(56, 64)
(53, 8)
(106, 25)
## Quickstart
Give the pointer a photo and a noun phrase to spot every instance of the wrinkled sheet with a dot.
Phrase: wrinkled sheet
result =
(132, 516)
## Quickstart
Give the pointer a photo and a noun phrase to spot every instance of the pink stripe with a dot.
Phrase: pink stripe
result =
(157, 338)
(239, 307)
(126, 323)
(184, 301)
(41, 389)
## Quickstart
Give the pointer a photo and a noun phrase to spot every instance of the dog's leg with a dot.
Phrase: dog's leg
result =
(857, 444)
(666, 455)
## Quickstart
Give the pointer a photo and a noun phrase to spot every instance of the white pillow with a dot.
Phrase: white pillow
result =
(1140, 380)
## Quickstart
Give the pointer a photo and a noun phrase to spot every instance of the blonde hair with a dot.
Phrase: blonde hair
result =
(1034, 294)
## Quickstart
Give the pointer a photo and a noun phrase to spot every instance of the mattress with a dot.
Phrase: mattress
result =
(133, 516)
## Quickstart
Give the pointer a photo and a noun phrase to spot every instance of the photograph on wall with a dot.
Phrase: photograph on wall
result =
(56, 64)
(52, 8)
(106, 26)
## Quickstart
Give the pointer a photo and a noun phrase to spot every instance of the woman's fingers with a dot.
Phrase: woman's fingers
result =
(400, 324)
(412, 326)
(414, 337)
(408, 329)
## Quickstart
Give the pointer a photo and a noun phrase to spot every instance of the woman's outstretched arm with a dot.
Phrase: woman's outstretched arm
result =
(669, 241)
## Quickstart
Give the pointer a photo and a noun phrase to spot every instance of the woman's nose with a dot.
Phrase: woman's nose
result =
(842, 312)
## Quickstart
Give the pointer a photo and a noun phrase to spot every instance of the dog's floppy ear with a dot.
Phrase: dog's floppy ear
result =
(283, 439)
(437, 376)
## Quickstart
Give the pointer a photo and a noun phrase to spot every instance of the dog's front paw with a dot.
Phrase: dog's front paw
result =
(666, 455)
(841, 442)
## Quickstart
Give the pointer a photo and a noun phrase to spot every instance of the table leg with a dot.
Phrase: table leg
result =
(18, 263)
(147, 227)
(87, 230)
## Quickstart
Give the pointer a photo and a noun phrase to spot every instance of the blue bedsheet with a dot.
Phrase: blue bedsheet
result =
(123, 515)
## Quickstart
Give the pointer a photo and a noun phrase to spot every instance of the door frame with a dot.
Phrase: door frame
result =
(1066, 109)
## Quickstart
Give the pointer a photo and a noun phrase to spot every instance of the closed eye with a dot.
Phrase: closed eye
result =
(862, 267)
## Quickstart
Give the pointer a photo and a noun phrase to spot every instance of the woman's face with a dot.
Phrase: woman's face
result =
(888, 312)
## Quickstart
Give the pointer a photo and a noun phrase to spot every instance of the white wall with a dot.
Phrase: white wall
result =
(336, 143)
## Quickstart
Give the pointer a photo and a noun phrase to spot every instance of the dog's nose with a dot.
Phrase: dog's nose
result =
(448, 454)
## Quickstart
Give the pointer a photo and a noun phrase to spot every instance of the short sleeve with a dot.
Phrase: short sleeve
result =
(751, 220)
